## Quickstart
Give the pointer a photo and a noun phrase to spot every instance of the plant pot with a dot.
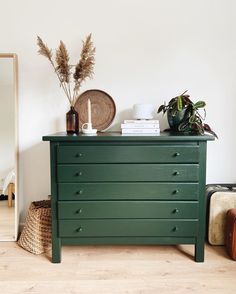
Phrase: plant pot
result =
(72, 121)
(175, 121)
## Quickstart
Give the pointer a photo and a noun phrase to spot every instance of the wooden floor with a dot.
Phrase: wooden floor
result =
(117, 269)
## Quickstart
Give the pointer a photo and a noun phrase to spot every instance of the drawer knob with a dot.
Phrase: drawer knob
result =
(176, 210)
(79, 210)
(177, 154)
(176, 173)
(175, 191)
(78, 174)
(79, 192)
(79, 229)
(78, 155)
(175, 229)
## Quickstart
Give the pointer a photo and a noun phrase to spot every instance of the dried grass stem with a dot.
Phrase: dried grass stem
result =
(63, 69)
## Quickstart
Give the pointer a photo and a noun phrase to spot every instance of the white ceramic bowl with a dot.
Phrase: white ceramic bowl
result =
(143, 111)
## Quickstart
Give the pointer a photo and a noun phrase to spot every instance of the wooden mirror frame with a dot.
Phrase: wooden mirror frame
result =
(15, 75)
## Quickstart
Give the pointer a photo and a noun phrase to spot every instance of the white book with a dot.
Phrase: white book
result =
(140, 131)
(141, 121)
(139, 126)
(139, 134)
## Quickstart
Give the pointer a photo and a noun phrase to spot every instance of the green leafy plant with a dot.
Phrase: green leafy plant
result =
(191, 120)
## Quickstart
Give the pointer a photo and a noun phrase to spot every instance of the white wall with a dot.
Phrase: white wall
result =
(147, 50)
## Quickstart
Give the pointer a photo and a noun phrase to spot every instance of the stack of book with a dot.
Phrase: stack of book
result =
(137, 126)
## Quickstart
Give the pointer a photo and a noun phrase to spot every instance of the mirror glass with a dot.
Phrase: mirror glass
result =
(8, 147)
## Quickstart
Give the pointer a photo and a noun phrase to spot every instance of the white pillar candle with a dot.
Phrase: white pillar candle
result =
(89, 111)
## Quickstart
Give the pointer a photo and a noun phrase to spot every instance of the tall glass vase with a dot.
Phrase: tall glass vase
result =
(72, 121)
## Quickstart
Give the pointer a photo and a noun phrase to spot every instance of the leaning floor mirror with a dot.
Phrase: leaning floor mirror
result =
(8, 148)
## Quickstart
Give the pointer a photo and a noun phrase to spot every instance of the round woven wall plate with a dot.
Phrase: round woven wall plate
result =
(103, 109)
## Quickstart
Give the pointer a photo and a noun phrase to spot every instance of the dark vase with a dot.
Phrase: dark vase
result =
(72, 121)
(175, 121)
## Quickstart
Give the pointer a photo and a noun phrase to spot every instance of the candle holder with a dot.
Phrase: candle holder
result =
(89, 129)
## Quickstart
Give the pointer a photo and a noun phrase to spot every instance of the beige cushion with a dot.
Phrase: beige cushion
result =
(220, 203)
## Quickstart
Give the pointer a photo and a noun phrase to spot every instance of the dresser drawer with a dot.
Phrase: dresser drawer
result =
(127, 209)
(123, 154)
(131, 228)
(127, 172)
(126, 191)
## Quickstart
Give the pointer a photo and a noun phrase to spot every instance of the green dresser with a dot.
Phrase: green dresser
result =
(114, 189)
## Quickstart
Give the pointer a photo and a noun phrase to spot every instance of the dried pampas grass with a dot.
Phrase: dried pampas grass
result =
(84, 69)
(62, 60)
(44, 50)
(63, 69)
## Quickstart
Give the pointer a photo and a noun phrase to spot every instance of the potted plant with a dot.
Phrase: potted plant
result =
(70, 76)
(184, 116)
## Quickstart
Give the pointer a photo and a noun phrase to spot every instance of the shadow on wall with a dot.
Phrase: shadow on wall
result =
(120, 117)
(34, 176)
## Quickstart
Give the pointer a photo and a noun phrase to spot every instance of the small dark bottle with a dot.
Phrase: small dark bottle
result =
(72, 121)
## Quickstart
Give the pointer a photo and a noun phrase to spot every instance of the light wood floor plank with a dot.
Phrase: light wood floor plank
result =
(116, 269)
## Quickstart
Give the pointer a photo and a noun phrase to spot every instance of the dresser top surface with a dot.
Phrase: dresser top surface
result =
(118, 137)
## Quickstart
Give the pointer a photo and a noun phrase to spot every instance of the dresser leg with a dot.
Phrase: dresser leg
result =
(199, 251)
(56, 250)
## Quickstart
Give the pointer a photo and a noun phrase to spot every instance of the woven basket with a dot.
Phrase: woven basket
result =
(36, 235)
